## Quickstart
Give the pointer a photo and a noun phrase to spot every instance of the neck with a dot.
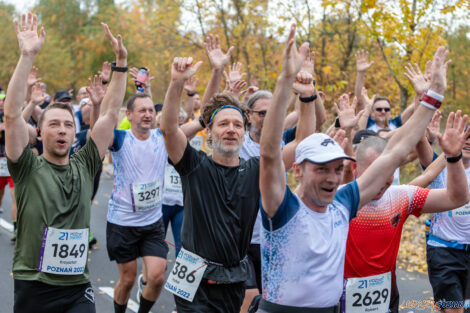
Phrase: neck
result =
(55, 159)
(226, 160)
(309, 201)
(254, 136)
(140, 133)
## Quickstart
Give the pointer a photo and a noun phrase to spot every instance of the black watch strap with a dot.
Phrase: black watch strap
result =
(115, 68)
(308, 99)
(201, 121)
(454, 159)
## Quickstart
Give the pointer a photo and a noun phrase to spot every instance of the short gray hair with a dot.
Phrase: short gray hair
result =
(260, 94)
(375, 143)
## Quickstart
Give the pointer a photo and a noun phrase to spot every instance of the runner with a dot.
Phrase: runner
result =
(53, 191)
(304, 234)
(221, 194)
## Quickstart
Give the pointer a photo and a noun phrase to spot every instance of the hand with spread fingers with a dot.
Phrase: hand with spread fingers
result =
(347, 112)
(105, 73)
(439, 70)
(217, 58)
(418, 80)
(27, 33)
(309, 64)
(236, 88)
(183, 69)
(362, 61)
(96, 90)
(118, 47)
(454, 137)
(37, 96)
(234, 73)
(32, 77)
(293, 57)
(434, 126)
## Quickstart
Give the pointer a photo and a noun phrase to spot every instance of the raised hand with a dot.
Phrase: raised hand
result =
(217, 58)
(96, 89)
(362, 61)
(183, 68)
(418, 80)
(249, 92)
(455, 135)
(365, 96)
(434, 126)
(105, 73)
(236, 88)
(347, 113)
(439, 70)
(190, 85)
(32, 77)
(37, 96)
(27, 33)
(303, 84)
(293, 57)
(234, 72)
(309, 64)
(116, 43)
(340, 137)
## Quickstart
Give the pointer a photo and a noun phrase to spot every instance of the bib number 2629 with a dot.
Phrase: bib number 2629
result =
(368, 294)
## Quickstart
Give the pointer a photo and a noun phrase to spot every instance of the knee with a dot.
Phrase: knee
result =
(156, 279)
(127, 278)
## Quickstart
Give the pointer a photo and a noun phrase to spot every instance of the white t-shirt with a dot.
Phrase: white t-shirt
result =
(136, 162)
(451, 225)
(303, 252)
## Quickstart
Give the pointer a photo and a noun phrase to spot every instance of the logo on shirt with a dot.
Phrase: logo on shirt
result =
(395, 219)
(326, 142)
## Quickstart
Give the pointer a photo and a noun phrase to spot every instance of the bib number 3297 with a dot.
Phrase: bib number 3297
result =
(63, 251)
(368, 294)
(146, 196)
(186, 275)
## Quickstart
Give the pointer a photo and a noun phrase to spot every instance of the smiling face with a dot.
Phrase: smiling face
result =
(227, 132)
(381, 112)
(320, 181)
(57, 132)
(142, 114)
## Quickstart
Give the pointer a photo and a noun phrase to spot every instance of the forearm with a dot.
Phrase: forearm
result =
(307, 121)
(457, 185)
(169, 121)
(190, 129)
(188, 106)
(114, 96)
(320, 114)
(212, 86)
(431, 172)
(425, 152)
(28, 111)
(362, 123)
(94, 114)
(17, 87)
(360, 78)
(291, 119)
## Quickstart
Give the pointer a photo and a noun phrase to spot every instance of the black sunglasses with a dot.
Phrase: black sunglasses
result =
(261, 113)
(382, 109)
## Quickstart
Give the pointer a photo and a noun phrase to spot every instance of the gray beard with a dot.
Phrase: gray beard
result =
(224, 151)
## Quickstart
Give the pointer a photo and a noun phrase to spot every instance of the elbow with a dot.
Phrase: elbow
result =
(462, 199)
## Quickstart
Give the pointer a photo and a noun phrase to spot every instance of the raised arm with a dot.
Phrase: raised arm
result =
(36, 99)
(362, 65)
(96, 91)
(16, 133)
(102, 132)
(406, 137)
(431, 172)
(188, 104)
(272, 172)
(456, 193)
(218, 61)
(175, 139)
(362, 123)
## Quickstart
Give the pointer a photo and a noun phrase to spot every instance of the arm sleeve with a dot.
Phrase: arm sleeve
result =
(20, 169)
(418, 199)
(397, 121)
(289, 207)
(349, 197)
(190, 161)
(118, 141)
(89, 157)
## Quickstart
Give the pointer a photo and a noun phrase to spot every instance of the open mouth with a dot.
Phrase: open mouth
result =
(328, 189)
(61, 142)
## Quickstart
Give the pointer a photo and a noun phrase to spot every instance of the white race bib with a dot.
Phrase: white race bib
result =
(4, 168)
(463, 211)
(172, 181)
(186, 275)
(196, 142)
(368, 294)
(63, 251)
(146, 196)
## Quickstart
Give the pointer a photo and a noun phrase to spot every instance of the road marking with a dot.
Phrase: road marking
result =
(131, 304)
(6, 225)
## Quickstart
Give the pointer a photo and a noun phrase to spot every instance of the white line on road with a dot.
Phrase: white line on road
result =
(131, 305)
(6, 225)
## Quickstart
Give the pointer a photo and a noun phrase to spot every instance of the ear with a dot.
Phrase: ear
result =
(128, 113)
(354, 168)
(298, 171)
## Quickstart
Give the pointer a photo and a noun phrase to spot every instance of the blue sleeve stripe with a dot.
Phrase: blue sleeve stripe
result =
(349, 197)
(286, 211)
(118, 141)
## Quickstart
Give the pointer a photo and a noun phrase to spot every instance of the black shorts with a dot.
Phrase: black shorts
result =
(127, 243)
(37, 297)
(448, 270)
(224, 298)
(254, 258)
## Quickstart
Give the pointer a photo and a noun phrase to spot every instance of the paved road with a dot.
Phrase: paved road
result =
(103, 273)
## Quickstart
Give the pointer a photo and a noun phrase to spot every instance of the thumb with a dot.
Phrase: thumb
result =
(197, 65)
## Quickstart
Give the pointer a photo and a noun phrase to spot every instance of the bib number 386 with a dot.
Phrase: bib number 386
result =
(186, 275)
(368, 294)
(63, 251)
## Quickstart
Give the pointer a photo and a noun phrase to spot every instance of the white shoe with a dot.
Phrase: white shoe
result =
(140, 287)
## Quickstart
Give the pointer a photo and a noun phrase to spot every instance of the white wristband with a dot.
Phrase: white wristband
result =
(435, 95)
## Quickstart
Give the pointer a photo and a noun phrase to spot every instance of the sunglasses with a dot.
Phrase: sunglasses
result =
(382, 109)
(261, 113)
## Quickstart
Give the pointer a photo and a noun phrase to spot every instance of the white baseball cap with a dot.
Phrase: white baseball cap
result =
(319, 148)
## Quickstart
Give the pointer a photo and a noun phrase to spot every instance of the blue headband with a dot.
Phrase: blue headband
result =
(226, 107)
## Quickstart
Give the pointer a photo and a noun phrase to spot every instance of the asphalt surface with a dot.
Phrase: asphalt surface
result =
(415, 290)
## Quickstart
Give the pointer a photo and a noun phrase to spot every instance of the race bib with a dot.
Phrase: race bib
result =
(463, 211)
(186, 275)
(4, 168)
(196, 142)
(63, 251)
(368, 294)
(146, 196)
(172, 181)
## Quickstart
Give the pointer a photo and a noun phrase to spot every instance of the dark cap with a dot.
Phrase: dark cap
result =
(158, 107)
(62, 96)
(363, 134)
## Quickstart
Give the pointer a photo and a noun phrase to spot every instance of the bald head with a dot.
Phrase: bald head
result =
(370, 146)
